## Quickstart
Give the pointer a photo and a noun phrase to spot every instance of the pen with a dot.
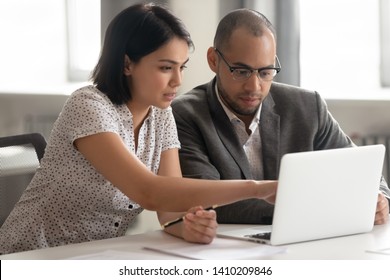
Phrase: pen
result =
(178, 220)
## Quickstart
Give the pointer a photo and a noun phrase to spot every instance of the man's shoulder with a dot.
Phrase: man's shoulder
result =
(285, 89)
(288, 93)
(287, 99)
(195, 96)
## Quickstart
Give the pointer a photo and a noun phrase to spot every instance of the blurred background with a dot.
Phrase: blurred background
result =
(341, 48)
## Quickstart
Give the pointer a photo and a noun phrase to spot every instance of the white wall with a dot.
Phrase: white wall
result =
(16, 111)
(362, 117)
(201, 23)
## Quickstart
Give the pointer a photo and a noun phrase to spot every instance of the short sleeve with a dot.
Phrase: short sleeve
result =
(86, 113)
(170, 139)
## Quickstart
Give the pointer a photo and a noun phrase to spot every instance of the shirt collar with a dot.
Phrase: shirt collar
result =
(128, 115)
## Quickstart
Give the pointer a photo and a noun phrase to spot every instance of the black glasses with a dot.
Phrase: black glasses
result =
(244, 73)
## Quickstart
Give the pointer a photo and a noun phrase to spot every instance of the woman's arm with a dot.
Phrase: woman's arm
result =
(108, 154)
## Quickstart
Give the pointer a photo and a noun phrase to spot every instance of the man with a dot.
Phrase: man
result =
(239, 125)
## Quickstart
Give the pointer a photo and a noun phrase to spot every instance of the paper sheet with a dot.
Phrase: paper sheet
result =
(111, 255)
(219, 249)
(384, 251)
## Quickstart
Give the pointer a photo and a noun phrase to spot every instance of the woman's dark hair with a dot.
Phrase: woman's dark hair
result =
(136, 32)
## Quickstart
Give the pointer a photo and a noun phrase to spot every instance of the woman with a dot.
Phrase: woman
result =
(113, 150)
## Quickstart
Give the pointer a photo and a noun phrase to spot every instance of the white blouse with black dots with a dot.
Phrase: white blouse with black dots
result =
(68, 201)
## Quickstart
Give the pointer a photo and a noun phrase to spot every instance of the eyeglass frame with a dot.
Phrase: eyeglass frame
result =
(257, 71)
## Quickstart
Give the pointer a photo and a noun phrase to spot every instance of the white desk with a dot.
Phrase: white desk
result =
(350, 247)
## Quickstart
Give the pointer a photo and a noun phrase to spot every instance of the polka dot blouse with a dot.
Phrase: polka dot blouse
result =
(68, 201)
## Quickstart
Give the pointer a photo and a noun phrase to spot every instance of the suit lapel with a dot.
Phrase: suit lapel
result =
(226, 131)
(270, 138)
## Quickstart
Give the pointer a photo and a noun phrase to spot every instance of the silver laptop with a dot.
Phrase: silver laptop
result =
(322, 194)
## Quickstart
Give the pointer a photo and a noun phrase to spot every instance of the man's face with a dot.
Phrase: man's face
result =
(247, 51)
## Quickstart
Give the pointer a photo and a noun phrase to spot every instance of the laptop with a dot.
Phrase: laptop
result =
(322, 194)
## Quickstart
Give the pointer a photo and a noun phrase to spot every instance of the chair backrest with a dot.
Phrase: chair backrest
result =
(20, 156)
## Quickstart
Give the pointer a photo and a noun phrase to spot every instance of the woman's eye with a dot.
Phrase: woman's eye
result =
(166, 68)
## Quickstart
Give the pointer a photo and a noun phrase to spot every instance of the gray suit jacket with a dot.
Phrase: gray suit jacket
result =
(292, 120)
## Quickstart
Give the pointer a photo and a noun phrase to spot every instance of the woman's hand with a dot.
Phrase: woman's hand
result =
(199, 225)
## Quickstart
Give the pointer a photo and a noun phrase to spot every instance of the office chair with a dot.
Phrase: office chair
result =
(20, 156)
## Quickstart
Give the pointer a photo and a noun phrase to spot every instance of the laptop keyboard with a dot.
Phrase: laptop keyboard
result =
(261, 235)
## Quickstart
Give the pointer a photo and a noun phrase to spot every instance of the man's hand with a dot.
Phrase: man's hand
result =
(382, 210)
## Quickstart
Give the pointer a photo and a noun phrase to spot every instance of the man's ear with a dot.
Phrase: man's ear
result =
(212, 59)
(128, 66)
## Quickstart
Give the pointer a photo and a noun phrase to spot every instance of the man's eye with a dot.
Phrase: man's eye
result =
(242, 72)
(267, 72)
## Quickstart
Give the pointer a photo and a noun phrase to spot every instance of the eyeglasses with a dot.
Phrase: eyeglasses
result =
(242, 74)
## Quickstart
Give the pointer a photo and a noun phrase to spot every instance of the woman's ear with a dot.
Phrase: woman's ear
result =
(212, 59)
(128, 66)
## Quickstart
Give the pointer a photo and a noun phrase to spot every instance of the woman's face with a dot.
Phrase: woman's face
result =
(155, 79)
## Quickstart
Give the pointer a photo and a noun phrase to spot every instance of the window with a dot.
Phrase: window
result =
(385, 42)
(83, 26)
(340, 48)
(35, 52)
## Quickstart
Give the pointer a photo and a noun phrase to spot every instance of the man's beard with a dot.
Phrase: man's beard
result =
(235, 107)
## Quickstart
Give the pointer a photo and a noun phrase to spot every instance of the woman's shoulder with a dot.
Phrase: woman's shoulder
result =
(88, 94)
(88, 91)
